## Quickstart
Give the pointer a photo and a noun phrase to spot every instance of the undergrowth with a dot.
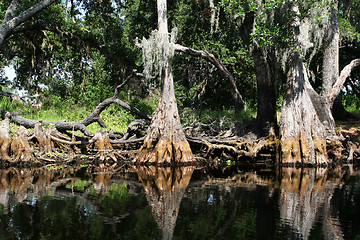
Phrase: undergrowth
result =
(115, 117)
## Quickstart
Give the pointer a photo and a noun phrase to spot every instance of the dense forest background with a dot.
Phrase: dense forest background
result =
(71, 56)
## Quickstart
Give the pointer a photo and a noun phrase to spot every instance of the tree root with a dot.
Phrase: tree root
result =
(235, 148)
(20, 147)
(5, 138)
(103, 146)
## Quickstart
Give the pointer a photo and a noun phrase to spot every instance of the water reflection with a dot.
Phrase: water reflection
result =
(94, 202)
(306, 199)
(165, 188)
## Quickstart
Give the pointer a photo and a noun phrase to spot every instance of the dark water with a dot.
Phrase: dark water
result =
(237, 202)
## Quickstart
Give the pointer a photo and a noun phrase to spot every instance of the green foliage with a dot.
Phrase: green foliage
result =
(78, 185)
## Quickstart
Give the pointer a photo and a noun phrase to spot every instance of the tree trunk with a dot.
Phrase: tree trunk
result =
(330, 68)
(165, 141)
(266, 120)
(303, 137)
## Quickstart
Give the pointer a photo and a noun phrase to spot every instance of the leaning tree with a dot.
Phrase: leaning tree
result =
(165, 141)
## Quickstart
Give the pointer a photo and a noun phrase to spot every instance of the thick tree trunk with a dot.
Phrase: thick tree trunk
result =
(266, 120)
(303, 136)
(165, 141)
(330, 68)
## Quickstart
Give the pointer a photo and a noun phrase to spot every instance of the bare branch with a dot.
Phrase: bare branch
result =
(7, 94)
(225, 73)
(77, 126)
(330, 97)
(116, 93)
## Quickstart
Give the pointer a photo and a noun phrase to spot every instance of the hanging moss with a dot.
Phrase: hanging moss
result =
(157, 49)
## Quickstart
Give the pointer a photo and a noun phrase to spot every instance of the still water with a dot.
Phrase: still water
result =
(218, 202)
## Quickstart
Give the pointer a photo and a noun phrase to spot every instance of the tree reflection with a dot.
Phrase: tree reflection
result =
(94, 202)
(306, 195)
(165, 188)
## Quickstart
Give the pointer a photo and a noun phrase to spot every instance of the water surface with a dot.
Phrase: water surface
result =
(218, 202)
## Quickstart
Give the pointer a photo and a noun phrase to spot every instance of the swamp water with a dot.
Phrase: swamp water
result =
(219, 202)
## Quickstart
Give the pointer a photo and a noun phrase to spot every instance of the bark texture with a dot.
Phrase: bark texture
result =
(303, 137)
(165, 141)
(266, 120)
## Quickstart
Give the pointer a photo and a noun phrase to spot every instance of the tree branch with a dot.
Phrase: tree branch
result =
(29, 13)
(10, 11)
(7, 94)
(10, 23)
(224, 72)
(330, 97)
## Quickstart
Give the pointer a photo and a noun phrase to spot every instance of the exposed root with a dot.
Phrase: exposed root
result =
(235, 148)
(20, 147)
(43, 138)
(103, 146)
(5, 138)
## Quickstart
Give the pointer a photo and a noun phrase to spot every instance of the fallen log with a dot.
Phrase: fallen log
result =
(77, 126)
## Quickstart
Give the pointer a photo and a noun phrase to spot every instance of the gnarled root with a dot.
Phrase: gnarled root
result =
(103, 146)
(20, 147)
(44, 139)
(235, 149)
(5, 138)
